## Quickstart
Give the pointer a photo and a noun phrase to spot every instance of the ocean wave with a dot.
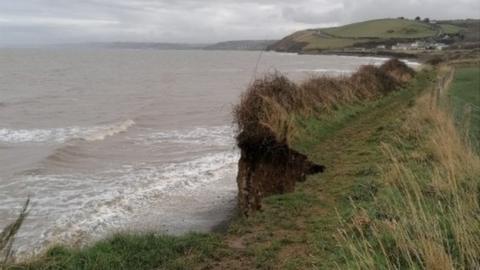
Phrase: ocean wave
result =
(380, 60)
(411, 63)
(60, 135)
(216, 135)
(100, 133)
(377, 61)
(325, 70)
(85, 206)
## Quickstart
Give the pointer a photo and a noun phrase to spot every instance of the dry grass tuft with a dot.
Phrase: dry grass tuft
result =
(400, 71)
(268, 108)
(7, 235)
(372, 82)
(325, 94)
(262, 113)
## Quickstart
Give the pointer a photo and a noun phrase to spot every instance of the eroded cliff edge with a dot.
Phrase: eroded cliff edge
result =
(268, 115)
(269, 168)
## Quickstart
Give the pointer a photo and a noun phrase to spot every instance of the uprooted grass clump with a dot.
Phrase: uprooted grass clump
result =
(268, 109)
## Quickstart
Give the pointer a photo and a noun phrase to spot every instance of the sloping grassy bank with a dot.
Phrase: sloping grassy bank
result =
(423, 209)
(400, 191)
(299, 230)
(269, 117)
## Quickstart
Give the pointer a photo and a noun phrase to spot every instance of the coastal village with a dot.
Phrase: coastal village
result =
(417, 45)
(439, 43)
(399, 37)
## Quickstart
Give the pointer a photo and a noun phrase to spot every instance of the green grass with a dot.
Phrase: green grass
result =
(384, 28)
(422, 215)
(314, 129)
(450, 29)
(316, 42)
(466, 84)
(465, 95)
(320, 43)
(375, 30)
(297, 230)
(128, 251)
(293, 231)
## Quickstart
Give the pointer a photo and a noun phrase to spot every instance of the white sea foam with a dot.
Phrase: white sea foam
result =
(411, 63)
(377, 61)
(100, 133)
(325, 70)
(216, 135)
(87, 206)
(60, 135)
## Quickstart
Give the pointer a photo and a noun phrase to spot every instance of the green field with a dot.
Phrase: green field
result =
(385, 28)
(466, 85)
(349, 35)
(465, 93)
(450, 29)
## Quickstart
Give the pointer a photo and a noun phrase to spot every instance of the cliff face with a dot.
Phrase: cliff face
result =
(269, 168)
(267, 123)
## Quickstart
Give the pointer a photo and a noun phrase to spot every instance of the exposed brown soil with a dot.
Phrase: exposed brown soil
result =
(269, 168)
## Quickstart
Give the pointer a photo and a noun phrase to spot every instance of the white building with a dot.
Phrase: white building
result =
(401, 47)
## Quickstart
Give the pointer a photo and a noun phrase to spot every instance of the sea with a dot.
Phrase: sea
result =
(121, 140)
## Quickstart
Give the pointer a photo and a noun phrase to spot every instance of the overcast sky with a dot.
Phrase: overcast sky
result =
(31, 22)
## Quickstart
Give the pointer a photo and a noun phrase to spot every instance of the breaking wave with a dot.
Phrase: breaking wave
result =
(216, 135)
(326, 70)
(86, 206)
(60, 135)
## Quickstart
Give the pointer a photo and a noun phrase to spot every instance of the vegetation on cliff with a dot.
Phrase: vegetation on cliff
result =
(422, 213)
(400, 190)
(269, 107)
(267, 119)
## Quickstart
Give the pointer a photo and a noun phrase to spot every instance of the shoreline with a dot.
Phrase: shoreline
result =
(422, 57)
(385, 54)
(241, 242)
(221, 224)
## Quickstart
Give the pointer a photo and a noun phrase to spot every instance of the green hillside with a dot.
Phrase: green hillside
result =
(352, 35)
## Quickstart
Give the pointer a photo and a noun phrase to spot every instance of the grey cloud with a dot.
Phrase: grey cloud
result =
(325, 12)
(52, 21)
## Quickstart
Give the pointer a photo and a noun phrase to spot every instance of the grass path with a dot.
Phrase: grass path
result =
(297, 230)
